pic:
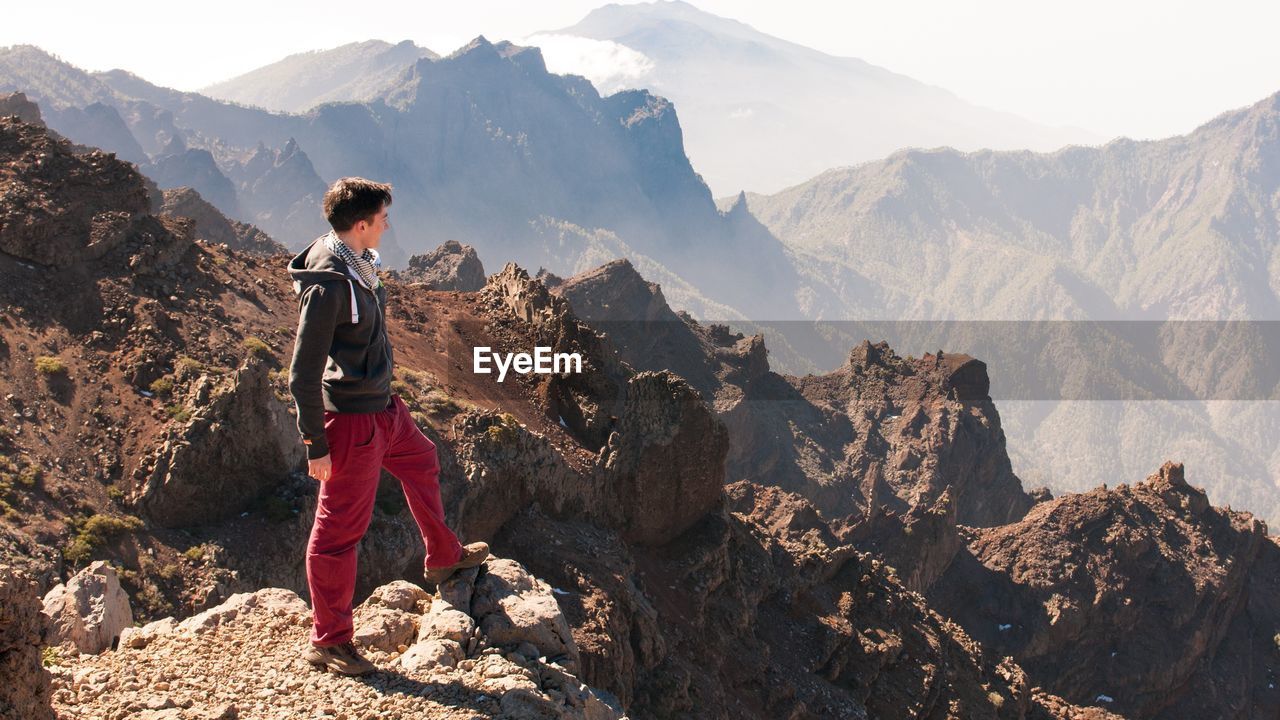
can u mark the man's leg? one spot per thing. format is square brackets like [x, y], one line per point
[411, 457]
[342, 516]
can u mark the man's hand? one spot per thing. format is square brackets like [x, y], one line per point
[321, 468]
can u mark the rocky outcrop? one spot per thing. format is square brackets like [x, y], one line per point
[513, 607]
[615, 300]
[190, 478]
[214, 227]
[25, 690]
[452, 266]
[882, 437]
[196, 668]
[588, 401]
[664, 465]
[1126, 593]
[90, 611]
[17, 105]
[916, 428]
[60, 208]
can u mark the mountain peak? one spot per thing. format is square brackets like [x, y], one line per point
[480, 43]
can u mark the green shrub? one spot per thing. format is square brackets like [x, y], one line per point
[417, 378]
[50, 656]
[169, 571]
[437, 403]
[30, 475]
[115, 493]
[401, 388]
[162, 386]
[195, 554]
[47, 365]
[178, 412]
[257, 346]
[503, 432]
[93, 532]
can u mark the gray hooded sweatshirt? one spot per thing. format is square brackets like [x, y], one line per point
[342, 359]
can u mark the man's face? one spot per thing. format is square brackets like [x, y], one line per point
[371, 230]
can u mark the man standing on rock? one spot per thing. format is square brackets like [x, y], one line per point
[350, 422]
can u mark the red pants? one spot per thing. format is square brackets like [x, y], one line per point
[360, 445]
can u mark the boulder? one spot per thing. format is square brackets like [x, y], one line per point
[445, 622]
[90, 611]
[272, 601]
[513, 607]
[138, 638]
[382, 628]
[398, 595]
[424, 656]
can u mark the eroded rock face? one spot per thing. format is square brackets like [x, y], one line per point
[894, 433]
[665, 463]
[452, 266]
[90, 611]
[588, 401]
[24, 692]
[239, 441]
[614, 299]
[54, 210]
[1125, 592]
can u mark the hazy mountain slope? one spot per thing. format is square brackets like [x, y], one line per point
[1186, 227]
[762, 113]
[489, 147]
[356, 71]
[48, 80]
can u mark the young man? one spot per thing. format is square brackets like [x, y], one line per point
[352, 425]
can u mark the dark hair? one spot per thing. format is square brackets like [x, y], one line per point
[352, 199]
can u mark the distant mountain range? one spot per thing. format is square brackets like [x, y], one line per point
[761, 113]
[1187, 227]
[484, 146]
[353, 72]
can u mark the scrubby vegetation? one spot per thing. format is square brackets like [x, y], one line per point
[48, 365]
[93, 532]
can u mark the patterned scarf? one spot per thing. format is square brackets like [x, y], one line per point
[365, 264]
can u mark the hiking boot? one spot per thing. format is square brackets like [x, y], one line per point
[343, 659]
[472, 555]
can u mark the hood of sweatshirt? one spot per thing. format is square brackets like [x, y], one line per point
[316, 264]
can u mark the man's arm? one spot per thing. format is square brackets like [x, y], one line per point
[317, 317]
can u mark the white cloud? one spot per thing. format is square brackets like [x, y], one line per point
[609, 66]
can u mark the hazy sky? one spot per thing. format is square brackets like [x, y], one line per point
[1142, 69]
